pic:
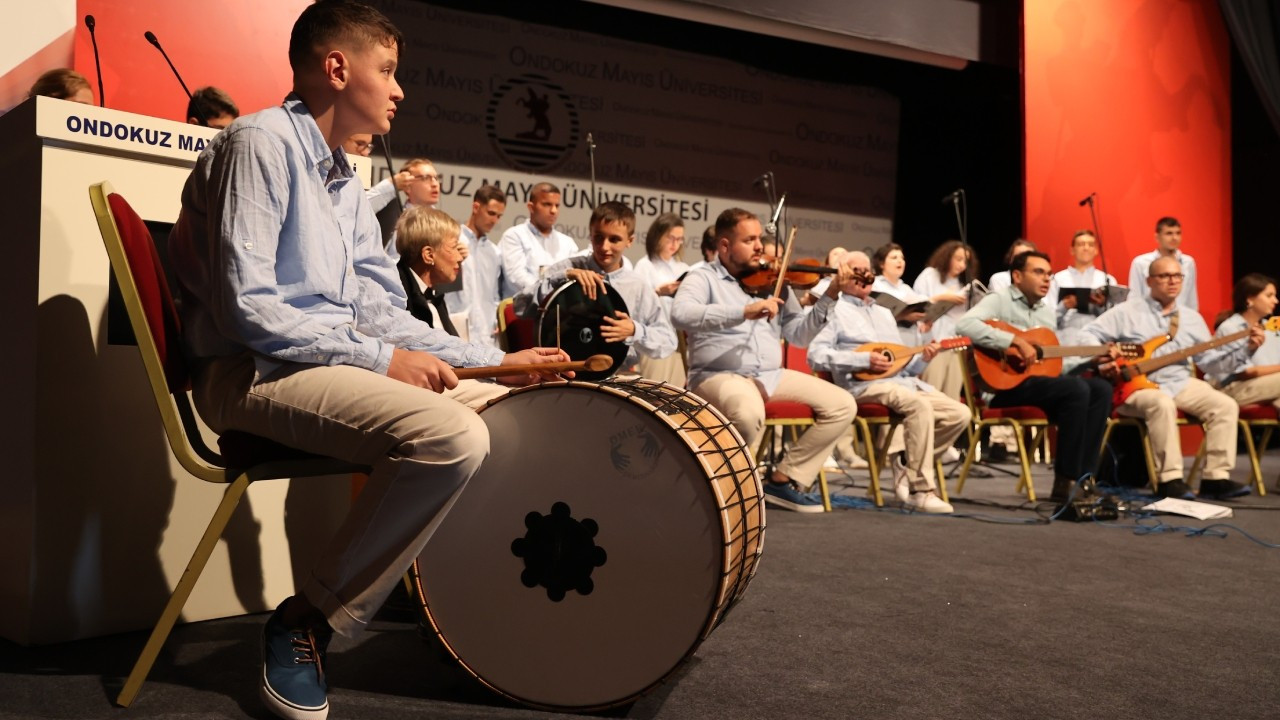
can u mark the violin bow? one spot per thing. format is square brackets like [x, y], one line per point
[786, 260]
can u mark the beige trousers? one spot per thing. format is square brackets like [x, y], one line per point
[742, 401]
[423, 448]
[946, 374]
[931, 422]
[1265, 389]
[1217, 411]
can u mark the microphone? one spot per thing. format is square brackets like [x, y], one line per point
[952, 196]
[90, 23]
[761, 181]
[1088, 200]
[151, 38]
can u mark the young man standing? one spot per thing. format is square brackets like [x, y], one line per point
[1081, 274]
[293, 334]
[1168, 244]
[735, 357]
[533, 245]
[483, 287]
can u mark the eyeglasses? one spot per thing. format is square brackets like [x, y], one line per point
[1169, 277]
[429, 177]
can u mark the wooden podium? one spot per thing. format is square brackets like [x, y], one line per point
[98, 520]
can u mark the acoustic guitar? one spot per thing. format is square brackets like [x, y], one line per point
[1005, 370]
[899, 355]
[1133, 374]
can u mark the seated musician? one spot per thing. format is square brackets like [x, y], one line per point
[1248, 373]
[293, 335]
[1147, 317]
[932, 421]
[735, 357]
[645, 328]
[1079, 406]
[427, 241]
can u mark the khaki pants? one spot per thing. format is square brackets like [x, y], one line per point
[1217, 411]
[422, 446]
[946, 374]
[931, 422]
[1265, 389]
[742, 401]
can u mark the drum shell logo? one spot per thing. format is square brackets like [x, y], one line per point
[532, 123]
[634, 452]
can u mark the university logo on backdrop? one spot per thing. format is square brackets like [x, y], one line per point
[532, 123]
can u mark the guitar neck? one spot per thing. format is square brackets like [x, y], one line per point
[1149, 366]
[1058, 351]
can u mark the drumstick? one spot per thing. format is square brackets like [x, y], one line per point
[595, 363]
[557, 327]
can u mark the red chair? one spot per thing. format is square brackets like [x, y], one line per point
[514, 332]
[1116, 420]
[243, 459]
[790, 415]
[1020, 418]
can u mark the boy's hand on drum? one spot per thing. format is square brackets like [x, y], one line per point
[421, 369]
[592, 282]
[617, 329]
[534, 356]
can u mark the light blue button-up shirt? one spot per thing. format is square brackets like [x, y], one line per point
[1009, 305]
[852, 323]
[1236, 357]
[1141, 319]
[709, 306]
[278, 252]
[654, 336]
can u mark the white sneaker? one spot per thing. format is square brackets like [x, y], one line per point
[901, 481]
[928, 502]
[951, 455]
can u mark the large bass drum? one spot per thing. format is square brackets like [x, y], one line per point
[609, 532]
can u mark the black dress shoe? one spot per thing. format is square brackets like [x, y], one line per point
[997, 454]
[1062, 489]
[1175, 489]
[1223, 489]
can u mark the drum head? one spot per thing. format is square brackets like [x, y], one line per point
[580, 321]
[581, 564]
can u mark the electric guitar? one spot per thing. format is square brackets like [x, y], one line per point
[899, 355]
[1133, 375]
[1006, 370]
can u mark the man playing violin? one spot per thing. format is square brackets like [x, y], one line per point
[735, 356]
[1148, 317]
[931, 420]
[1077, 405]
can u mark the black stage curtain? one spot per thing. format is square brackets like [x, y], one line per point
[1254, 26]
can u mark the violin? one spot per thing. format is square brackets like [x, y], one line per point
[801, 274]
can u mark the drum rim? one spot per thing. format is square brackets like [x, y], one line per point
[614, 295]
[716, 614]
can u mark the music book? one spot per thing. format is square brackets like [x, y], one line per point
[897, 306]
[1190, 508]
[1116, 294]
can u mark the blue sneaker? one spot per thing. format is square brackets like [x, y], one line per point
[293, 684]
[787, 495]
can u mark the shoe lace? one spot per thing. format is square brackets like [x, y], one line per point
[307, 650]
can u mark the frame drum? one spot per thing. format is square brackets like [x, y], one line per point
[580, 320]
[608, 533]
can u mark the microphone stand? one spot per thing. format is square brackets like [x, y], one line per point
[962, 223]
[90, 23]
[591, 158]
[1102, 253]
[386, 154]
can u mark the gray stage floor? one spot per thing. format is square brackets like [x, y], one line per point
[859, 613]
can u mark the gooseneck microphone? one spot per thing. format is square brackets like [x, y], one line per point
[1088, 200]
[90, 23]
[952, 196]
[151, 38]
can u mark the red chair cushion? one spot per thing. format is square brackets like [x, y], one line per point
[521, 332]
[872, 410]
[1017, 412]
[153, 289]
[783, 410]
[1259, 411]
